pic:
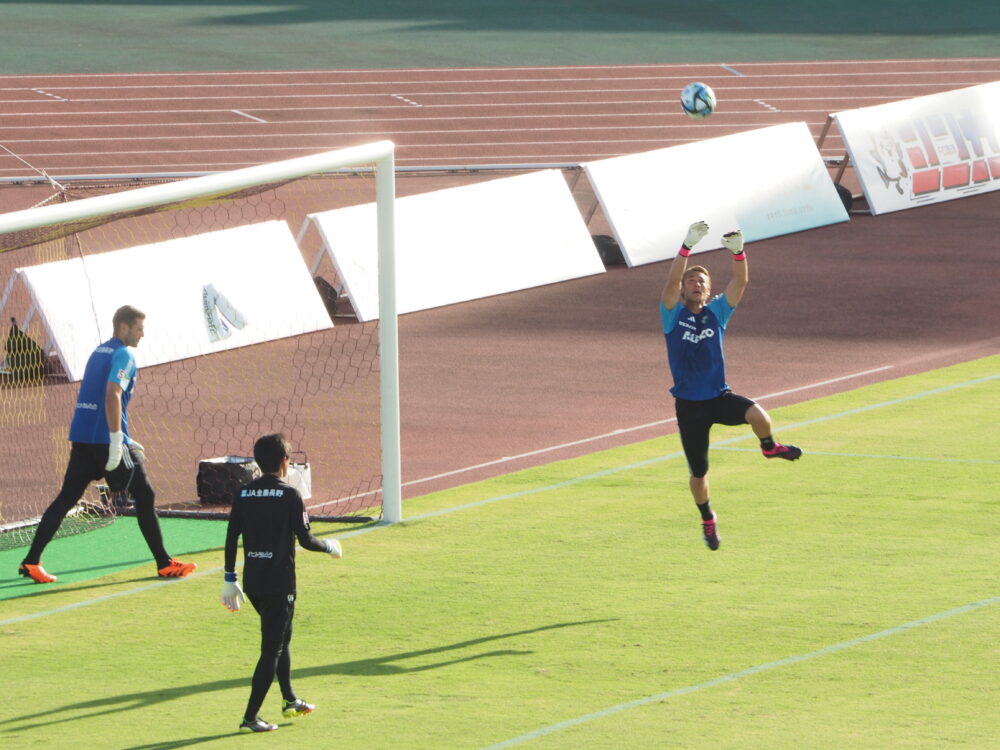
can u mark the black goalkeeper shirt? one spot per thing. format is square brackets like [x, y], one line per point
[270, 515]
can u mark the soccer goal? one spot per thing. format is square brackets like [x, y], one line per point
[244, 335]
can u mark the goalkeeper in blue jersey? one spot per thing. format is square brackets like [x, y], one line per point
[270, 515]
[694, 323]
[100, 446]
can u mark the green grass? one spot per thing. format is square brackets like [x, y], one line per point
[581, 592]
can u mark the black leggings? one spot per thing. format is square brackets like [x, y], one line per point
[276, 612]
[86, 464]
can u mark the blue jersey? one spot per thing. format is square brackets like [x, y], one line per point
[111, 362]
[694, 348]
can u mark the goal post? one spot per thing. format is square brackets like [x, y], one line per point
[33, 227]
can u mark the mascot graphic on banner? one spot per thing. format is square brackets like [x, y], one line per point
[214, 303]
[888, 154]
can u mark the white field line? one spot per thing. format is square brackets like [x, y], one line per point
[880, 457]
[626, 430]
[750, 671]
[538, 490]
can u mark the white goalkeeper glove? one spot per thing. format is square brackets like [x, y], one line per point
[733, 241]
[115, 451]
[232, 594]
[333, 548]
[696, 232]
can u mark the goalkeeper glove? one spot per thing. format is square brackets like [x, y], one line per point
[115, 451]
[232, 594]
[696, 232]
[733, 241]
[333, 548]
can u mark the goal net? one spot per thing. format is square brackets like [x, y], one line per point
[245, 334]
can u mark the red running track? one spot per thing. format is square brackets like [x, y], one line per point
[521, 379]
[141, 123]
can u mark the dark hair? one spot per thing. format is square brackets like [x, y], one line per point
[269, 451]
[128, 315]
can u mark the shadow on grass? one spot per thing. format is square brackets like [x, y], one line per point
[186, 742]
[21, 582]
[374, 667]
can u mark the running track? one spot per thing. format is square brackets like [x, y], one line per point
[141, 123]
[828, 309]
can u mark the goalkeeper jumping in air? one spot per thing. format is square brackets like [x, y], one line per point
[101, 446]
[270, 515]
[693, 324]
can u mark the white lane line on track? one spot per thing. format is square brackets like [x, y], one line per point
[750, 671]
[538, 490]
[491, 105]
[510, 92]
[56, 97]
[234, 111]
[574, 117]
[229, 86]
[403, 99]
[933, 65]
[766, 106]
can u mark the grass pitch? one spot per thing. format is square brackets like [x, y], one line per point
[854, 604]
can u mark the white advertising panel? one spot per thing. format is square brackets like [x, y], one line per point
[203, 294]
[767, 182]
[464, 243]
[925, 150]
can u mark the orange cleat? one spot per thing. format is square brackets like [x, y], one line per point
[36, 573]
[176, 569]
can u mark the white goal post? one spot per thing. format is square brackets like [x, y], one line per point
[381, 155]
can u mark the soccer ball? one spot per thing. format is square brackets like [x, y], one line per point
[697, 100]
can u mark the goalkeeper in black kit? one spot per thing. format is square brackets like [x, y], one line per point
[270, 515]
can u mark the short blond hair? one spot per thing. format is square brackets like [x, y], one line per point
[698, 269]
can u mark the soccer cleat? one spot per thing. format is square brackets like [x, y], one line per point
[36, 573]
[787, 452]
[257, 725]
[297, 707]
[176, 569]
[711, 533]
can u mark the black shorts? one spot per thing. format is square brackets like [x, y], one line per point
[86, 465]
[695, 420]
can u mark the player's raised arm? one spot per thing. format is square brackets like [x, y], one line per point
[672, 289]
[733, 242]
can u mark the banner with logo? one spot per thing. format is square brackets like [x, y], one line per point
[925, 150]
[202, 294]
